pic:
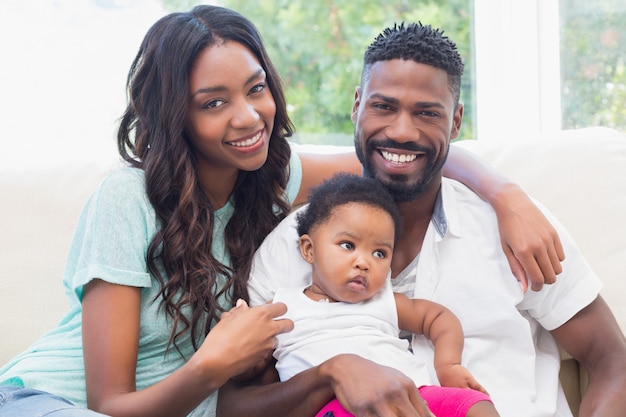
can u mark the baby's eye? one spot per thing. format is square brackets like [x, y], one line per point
[380, 254]
[347, 245]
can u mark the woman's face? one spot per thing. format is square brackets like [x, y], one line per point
[231, 111]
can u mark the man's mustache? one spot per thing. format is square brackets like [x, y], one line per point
[392, 144]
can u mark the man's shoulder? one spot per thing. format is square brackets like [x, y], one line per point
[460, 191]
[458, 197]
[460, 208]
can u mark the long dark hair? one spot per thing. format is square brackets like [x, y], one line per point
[151, 137]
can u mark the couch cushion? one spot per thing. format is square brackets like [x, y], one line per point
[39, 210]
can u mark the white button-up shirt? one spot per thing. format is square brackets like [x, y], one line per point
[508, 346]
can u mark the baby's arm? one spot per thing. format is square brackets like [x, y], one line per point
[444, 330]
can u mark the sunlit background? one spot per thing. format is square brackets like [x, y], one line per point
[62, 77]
[531, 66]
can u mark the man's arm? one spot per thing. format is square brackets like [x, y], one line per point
[530, 242]
[594, 339]
[303, 395]
[363, 387]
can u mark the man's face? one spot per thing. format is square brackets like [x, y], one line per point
[404, 119]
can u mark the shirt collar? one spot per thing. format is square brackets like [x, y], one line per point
[439, 216]
[445, 216]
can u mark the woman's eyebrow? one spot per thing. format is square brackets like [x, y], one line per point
[219, 88]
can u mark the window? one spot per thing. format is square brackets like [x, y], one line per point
[531, 66]
[542, 66]
[318, 49]
[593, 63]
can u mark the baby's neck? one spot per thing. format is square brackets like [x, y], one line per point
[315, 296]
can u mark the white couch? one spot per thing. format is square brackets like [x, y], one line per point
[580, 175]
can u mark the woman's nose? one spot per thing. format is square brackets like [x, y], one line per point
[245, 115]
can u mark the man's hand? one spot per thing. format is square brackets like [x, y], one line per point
[367, 389]
[530, 242]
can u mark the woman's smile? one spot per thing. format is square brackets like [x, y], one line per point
[250, 143]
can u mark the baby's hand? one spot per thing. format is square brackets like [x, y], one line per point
[458, 376]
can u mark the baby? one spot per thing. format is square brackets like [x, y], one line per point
[347, 233]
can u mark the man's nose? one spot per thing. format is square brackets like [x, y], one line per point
[402, 128]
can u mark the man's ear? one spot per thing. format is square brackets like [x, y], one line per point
[356, 103]
[457, 121]
[306, 248]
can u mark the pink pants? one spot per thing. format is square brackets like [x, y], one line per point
[442, 401]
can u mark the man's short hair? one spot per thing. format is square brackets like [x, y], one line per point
[418, 43]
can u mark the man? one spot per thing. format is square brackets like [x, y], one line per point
[406, 111]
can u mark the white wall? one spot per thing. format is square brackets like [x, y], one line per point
[63, 75]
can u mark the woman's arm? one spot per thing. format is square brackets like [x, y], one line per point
[531, 244]
[111, 316]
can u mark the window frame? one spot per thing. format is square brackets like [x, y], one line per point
[517, 59]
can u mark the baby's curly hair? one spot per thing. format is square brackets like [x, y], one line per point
[344, 189]
[418, 43]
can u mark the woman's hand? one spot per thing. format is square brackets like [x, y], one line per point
[530, 242]
[259, 366]
[243, 338]
[111, 317]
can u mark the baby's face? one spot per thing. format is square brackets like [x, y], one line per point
[350, 252]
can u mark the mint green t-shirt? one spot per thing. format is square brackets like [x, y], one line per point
[110, 243]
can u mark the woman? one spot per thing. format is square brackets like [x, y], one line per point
[164, 246]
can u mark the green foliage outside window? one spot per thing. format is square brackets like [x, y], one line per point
[593, 63]
[317, 47]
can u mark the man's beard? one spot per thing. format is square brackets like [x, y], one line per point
[399, 186]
